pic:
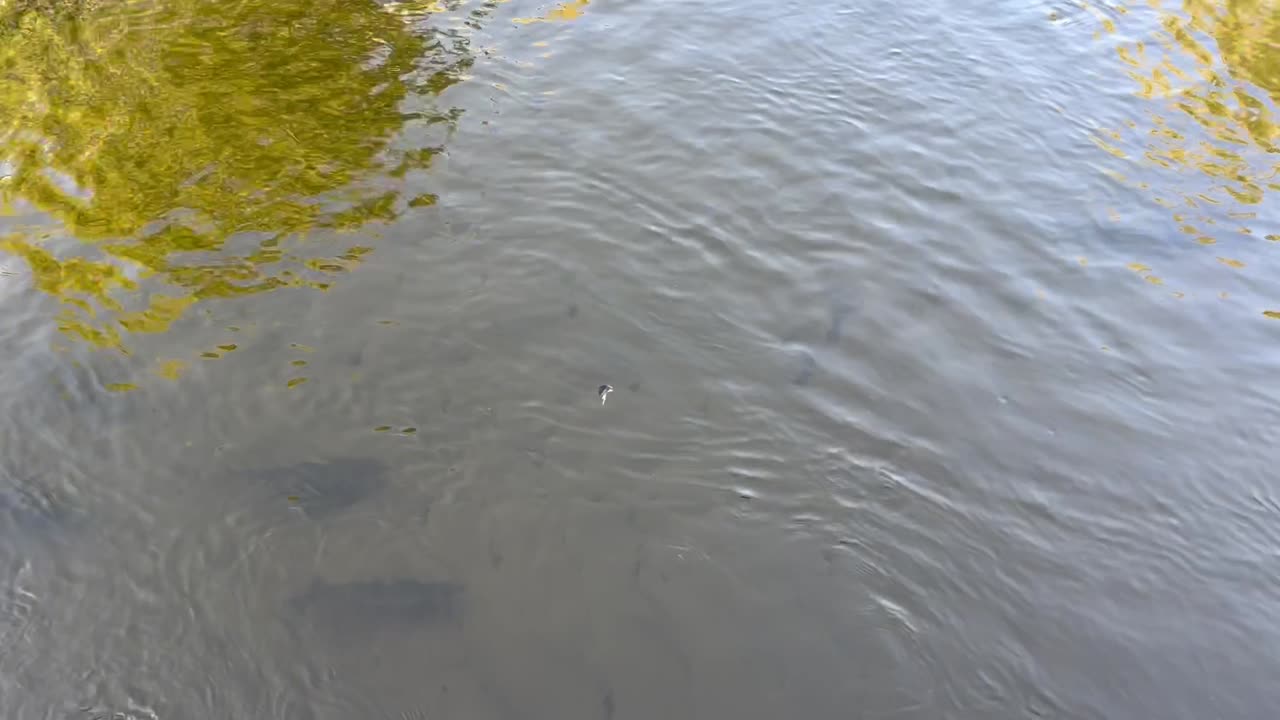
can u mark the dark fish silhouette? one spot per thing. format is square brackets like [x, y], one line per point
[840, 311]
[806, 366]
[401, 601]
[321, 489]
[33, 508]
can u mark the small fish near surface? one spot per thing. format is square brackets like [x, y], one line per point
[34, 509]
[840, 312]
[805, 365]
[384, 602]
[804, 368]
[322, 489]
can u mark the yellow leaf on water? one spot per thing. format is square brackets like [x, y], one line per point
[121, 387]
[1230, 263]
[1137, 267]
[1273, 314]
[1109, 148]
[564, 11]
[296, 382]
[170, 369]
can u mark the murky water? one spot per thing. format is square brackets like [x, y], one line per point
[940, 333]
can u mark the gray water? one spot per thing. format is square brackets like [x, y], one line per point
[927, 405]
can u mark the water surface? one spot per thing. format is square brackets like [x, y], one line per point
[940, 336]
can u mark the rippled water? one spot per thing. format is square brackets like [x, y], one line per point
[940, 336]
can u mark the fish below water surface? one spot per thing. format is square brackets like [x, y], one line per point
[34, 509]
[322, 489]
[379, 602]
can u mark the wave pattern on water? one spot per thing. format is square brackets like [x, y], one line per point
[879, 438]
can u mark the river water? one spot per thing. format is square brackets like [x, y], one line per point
[944, 374]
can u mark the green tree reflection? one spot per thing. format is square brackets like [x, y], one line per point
[194, 144]
[1213, 73]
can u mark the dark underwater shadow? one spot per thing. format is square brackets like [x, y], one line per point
[322, 489]
[31, 508]
[373, 604]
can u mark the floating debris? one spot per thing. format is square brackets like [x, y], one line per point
[603, 391]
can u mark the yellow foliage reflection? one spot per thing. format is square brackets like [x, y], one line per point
[1213, 70]
[570, 10]
[194, 145]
